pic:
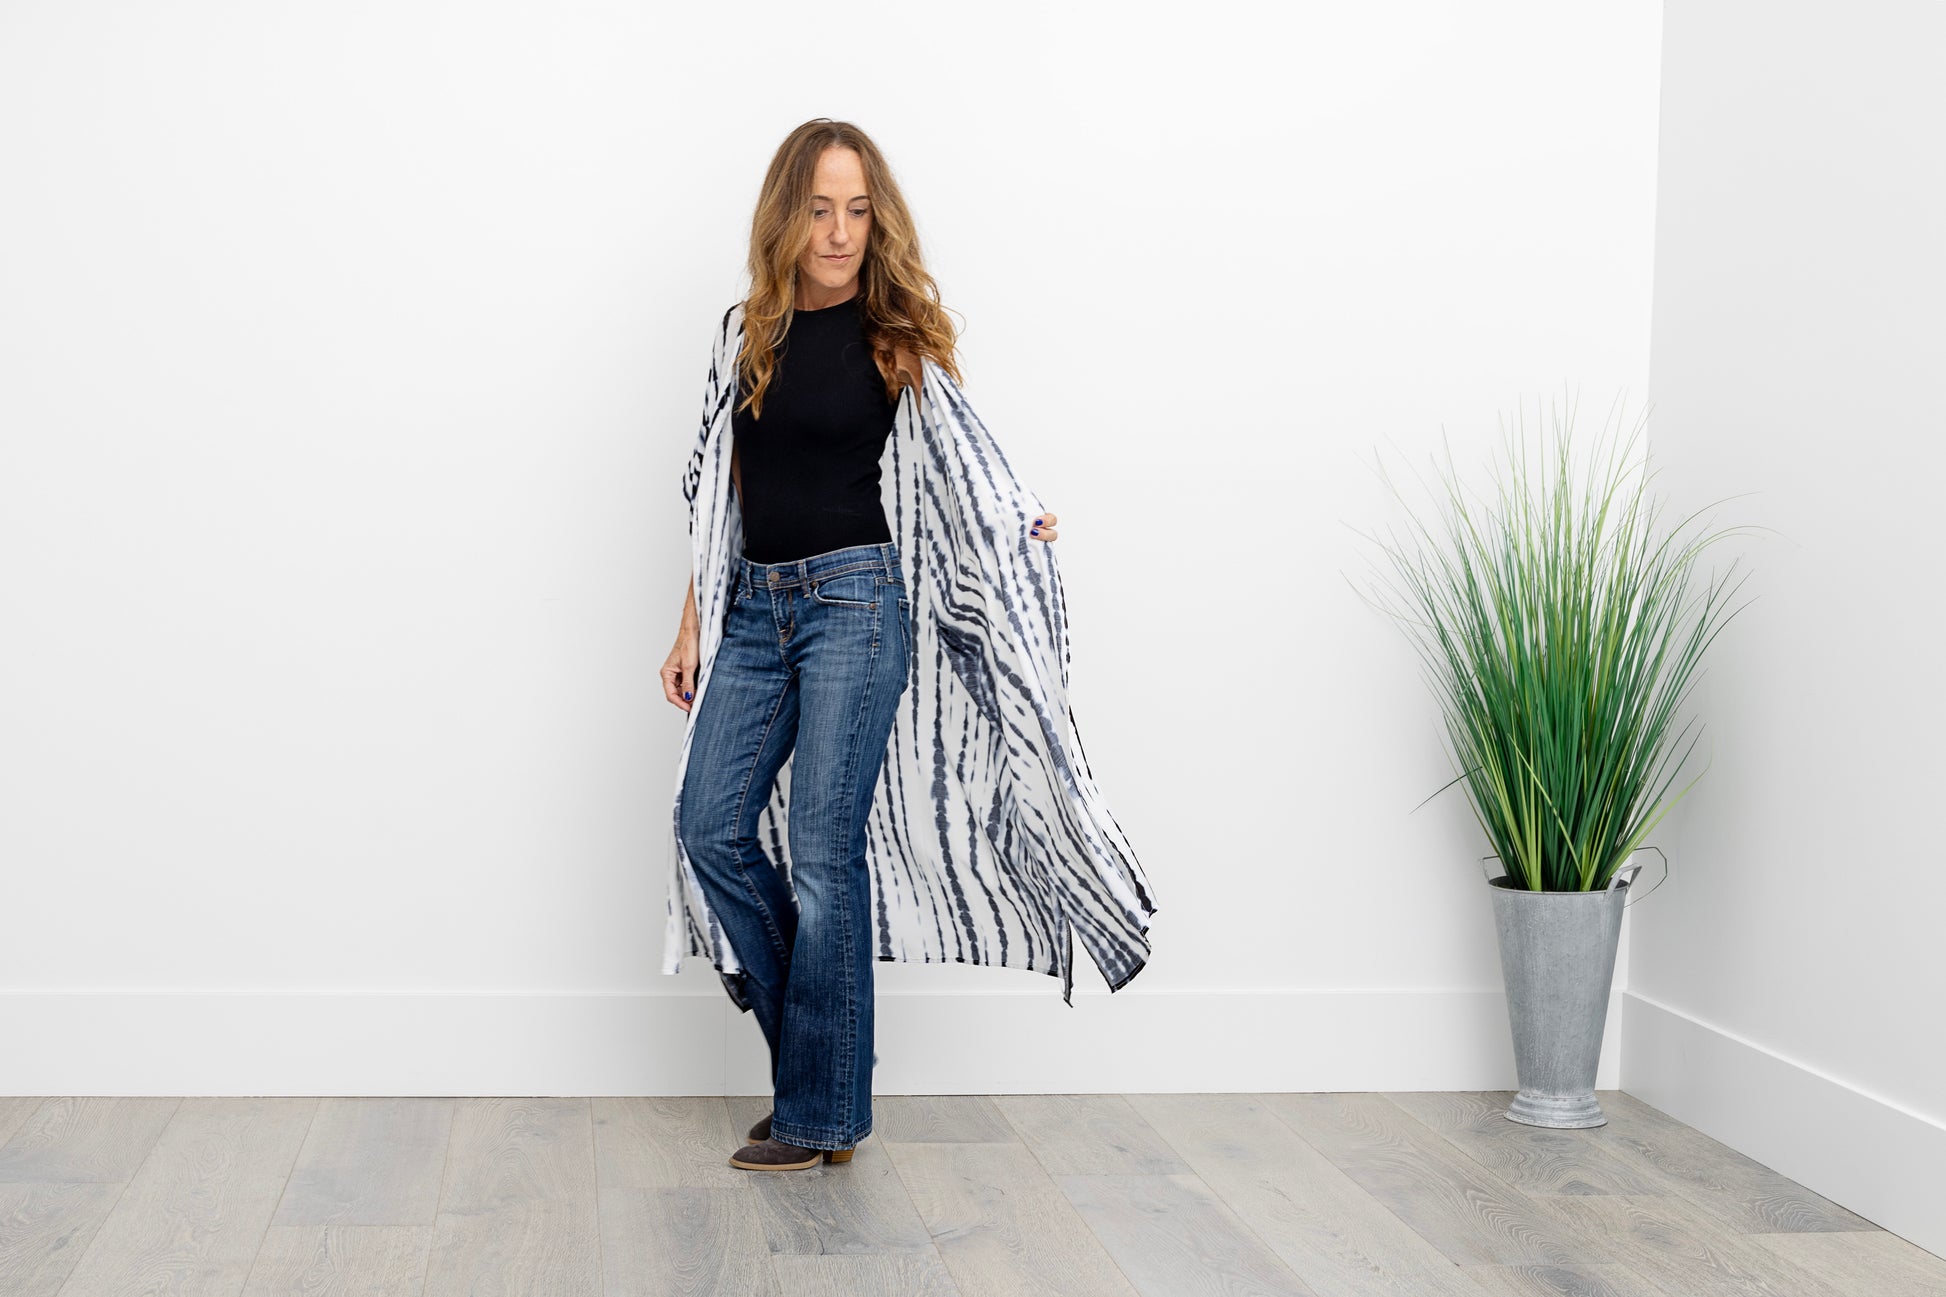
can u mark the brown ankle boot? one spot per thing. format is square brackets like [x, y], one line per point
[775, 1155]
[759, 1132]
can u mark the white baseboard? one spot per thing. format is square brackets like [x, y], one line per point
[520, 1043]
[1868, 1153]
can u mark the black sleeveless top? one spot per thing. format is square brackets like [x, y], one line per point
[810, 465]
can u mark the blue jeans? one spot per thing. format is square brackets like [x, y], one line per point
[814, 657]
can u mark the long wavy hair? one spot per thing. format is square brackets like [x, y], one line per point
[898, 298]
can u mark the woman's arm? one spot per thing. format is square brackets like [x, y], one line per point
[679, 668]
[1042, 527]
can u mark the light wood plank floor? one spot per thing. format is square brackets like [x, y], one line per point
[1166, 1195]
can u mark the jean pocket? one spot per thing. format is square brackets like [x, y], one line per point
[851, 590]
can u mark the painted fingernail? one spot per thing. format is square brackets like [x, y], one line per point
[686, 695]
[1035, 532]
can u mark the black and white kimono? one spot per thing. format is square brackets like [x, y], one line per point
[988, 842]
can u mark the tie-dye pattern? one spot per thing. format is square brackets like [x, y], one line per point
[989, 842]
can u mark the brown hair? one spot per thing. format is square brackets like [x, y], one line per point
[898, 299]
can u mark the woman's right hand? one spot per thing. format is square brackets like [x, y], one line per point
[679, 671]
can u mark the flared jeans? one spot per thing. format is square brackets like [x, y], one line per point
[814, 657]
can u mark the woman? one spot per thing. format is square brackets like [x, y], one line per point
[819, 657]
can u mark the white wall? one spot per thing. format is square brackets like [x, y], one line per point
[1786, 985]
[352, 354]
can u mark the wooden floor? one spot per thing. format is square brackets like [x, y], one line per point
[1173, 1195]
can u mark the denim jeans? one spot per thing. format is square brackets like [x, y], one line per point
[814, 657]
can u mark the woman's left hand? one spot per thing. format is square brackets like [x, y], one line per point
[1042, 527]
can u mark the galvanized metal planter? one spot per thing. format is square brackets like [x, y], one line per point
[1557, 955]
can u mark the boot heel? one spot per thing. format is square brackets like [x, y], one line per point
[837, 1154]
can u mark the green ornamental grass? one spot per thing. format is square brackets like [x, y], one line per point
[1560, 632]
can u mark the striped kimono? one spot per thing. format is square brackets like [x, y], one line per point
[988, 842]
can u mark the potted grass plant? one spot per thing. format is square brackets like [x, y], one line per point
[1560, 632]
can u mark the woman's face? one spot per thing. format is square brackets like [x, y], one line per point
[841, 220]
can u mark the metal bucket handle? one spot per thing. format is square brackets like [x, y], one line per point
[1623, 874]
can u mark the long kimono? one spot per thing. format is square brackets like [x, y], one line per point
[988, 841]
